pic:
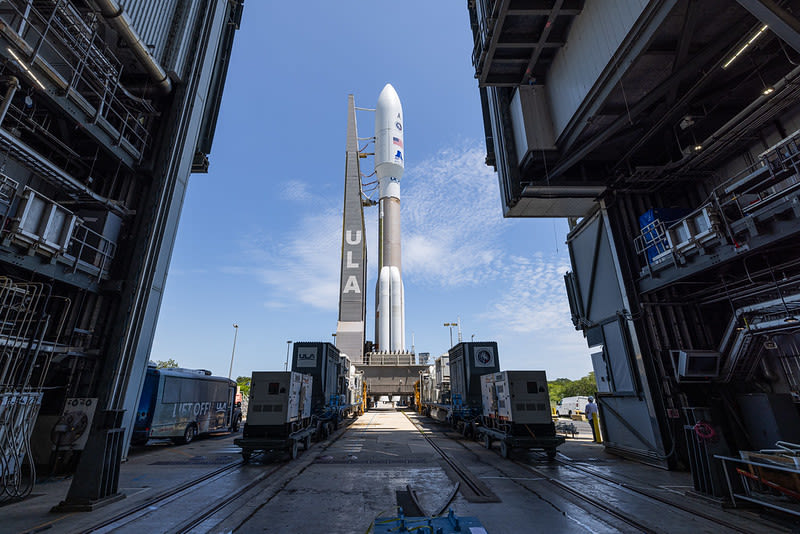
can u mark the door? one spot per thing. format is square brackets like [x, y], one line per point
[600, 307]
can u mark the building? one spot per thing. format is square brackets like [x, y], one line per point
[667, 132]
[107, 107]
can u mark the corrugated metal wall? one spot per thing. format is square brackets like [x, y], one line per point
[152, 20]
[166, 27]
[594, 38]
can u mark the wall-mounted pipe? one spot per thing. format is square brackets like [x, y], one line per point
[13, 85]
[117, 18]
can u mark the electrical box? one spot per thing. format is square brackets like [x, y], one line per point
[279, 397]
[44, 224]
[695, 365]
[516, 396]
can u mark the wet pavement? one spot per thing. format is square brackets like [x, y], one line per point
[378, 462]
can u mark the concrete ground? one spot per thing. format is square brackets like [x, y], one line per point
[366, 470]
[149, 471]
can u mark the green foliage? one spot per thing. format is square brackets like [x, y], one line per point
[564, 387]
[166, 364]
[244, 385]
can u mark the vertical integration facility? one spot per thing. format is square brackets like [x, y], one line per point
[107, 107]
[668, 133]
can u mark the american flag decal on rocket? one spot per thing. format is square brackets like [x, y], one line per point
[398, 142]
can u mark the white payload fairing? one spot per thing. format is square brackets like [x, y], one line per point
[389, 154]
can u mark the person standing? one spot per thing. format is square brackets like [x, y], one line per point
[591, 413]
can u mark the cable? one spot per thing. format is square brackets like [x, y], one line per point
[705, 432]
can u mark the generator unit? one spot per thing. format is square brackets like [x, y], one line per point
[442, 375]
[468, 362]
[322, 361]
[428, 389]
[517, 396]
[278, 398]
[516, 412]
[280, 413]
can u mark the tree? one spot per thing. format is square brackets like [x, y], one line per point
[564, 387]
[166, 364]
[244, 385]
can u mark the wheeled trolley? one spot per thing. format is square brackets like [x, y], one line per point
[517, 436]
[272, 442]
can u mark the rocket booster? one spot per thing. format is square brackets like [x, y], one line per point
[389, 166]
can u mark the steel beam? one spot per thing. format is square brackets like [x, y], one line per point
[781, 22]
[495, 38]
[689, 69]
[537, 51]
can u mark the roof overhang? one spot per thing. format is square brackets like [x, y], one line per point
[556, 201]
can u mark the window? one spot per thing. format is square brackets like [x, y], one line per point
[273, 388]
[533, 387]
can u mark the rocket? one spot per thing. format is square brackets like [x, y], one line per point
[389, 155]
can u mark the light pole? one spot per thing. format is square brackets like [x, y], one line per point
[235, 334]
[451, 325]
[286, 365]
[334, 339]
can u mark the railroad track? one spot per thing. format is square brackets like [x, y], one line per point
[643, 492]
[129, 517]
[618, 514]
[583, 496]
[183, 490]
[481, 492]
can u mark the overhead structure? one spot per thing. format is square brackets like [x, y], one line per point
[389, 166]
[668, 132]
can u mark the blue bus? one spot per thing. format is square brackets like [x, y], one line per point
[179, 404]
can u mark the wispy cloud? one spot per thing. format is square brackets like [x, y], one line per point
[536, 297]
[532, 318]
[299, 266]
[296, 190]
[452, 219]
[453, 236]
[450, 214]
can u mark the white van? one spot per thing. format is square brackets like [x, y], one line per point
[571, 405]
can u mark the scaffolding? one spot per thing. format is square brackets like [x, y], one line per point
[65, 47]
[24, 362]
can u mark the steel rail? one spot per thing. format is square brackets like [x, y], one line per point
[462, 474]
[163, 496]
[190, 525]
[651, 495]
[614, 512]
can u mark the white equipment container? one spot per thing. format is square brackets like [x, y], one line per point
[442, 370]
[279, 397]
[516, 396]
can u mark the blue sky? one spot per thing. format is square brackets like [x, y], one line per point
[260, 234]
